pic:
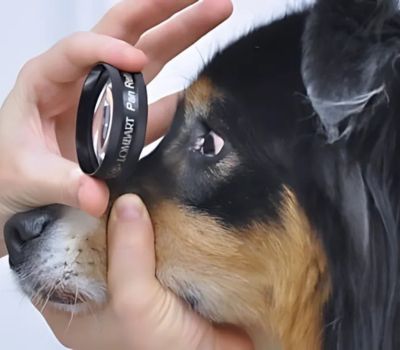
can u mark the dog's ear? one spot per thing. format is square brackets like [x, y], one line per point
[350, 46]
[351, 72]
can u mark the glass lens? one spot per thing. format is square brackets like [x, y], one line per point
[102, 122]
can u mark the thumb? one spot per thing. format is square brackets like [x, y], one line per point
[131, 264]
[65, 183]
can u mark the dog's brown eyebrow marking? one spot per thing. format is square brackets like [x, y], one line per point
[199, 96]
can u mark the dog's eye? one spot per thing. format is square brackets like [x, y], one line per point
[209, 145]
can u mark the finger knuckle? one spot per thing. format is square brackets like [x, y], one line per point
[76, 36]
[28, 68]
[165, 5]
[74, 40]
[218, 10]
[22, 168]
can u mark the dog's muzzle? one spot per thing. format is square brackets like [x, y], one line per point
[25, 227]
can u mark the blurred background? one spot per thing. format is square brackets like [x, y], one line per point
[28, 28]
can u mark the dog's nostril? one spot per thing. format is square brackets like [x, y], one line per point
[33, 227]
[24, 227]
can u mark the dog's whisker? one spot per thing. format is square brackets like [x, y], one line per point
[76, 293]
[36, 296]
[72, 311]
[70, 321]
[26, 275]
[200, 55]
[50, 293]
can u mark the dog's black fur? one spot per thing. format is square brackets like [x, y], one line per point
[340, 161]
[243, 115]
[352, 192]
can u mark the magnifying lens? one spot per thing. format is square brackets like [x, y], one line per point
[111, 124]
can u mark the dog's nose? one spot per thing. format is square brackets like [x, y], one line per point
[24, 227]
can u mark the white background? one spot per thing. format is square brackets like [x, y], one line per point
[27, 28]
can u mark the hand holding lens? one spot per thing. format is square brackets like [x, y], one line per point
[111, 124]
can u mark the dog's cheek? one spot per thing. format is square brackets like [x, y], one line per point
[265, 276]
[207, 265]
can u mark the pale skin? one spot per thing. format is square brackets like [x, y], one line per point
[37, 162]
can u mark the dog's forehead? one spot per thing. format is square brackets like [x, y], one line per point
[254, 85]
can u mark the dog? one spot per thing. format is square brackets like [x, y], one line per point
[275, 194]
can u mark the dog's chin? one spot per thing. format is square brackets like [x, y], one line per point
[78, 308]
[71, 308]
[71, 302]
[88, 297]
[68, 302]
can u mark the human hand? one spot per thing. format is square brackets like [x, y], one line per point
[140, 314]
[33, 172]
[37, 120]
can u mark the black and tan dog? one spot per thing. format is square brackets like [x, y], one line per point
[274, 196]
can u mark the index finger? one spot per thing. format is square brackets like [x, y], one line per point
[169, 39]
[129, 19]
[71, 58]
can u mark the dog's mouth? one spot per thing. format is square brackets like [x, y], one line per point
[67, 298]
[64, 299]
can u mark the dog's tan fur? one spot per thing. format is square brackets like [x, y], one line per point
[269, 276]
[199, 96]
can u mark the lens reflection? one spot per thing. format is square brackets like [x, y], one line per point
[102, 121]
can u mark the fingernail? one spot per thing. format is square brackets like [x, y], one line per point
[129, 208]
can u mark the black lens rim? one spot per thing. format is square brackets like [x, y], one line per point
[128, 127]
